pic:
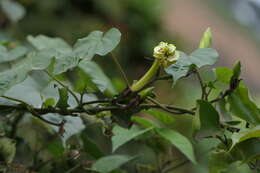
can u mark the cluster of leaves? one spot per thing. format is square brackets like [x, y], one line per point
[37, 80]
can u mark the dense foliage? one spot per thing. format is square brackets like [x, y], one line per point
[53, 95]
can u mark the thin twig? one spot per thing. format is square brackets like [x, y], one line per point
[169, 108]
[120, 69]
[203, 87]
[96, 101]
[63, 85]
[15, 100]
[177, 166]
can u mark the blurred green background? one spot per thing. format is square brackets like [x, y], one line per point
[143, 23]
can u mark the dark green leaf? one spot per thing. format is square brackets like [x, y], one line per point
[122, 135]
[63, 100]
[208, 119]
[236, 70]
[56, 148]
[90, 147]
[97, 43]
[179, 141]
[247, 150]
[242, 106]
[110, 163]
[245, 134]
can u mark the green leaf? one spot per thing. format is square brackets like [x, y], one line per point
[179, 141]
[164, 118]
[64, 62]
[180, 68]
[122, 135]
[97, 76]
[13, 10]
[50, 102]
[236, 70]
[242, 106]
[206, 40]
[56, 148]
[225, 115]
[145, 122]
[223, 74]
[203, 56]
[208, 117]
[245, 134]
[247, 150]
[50, 48]
[13, 54]
[17, 74]
[219, 161]
[200, 57]
[63, 100]
[7, 149]
[90, 147]
[42, 42]
[110, 163]
[97, 43]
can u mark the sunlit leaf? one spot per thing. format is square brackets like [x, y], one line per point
[13, 54]
[50, 102]
[223, 74]
[98, 43]
[41, 42]
[203, 56]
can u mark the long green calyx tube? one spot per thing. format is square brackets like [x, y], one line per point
[147, 77]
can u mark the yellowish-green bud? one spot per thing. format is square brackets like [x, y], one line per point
[166, 53]
[206, 40]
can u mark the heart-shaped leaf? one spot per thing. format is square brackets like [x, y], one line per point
[97, 43]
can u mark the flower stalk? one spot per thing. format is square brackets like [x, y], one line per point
[165, 54]
[147, 76]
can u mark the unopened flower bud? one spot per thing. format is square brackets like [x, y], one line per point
[166, 53]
